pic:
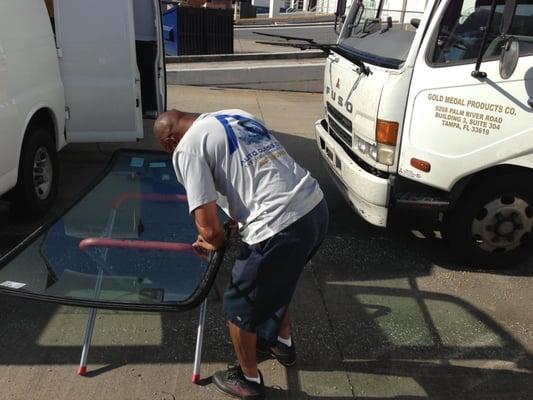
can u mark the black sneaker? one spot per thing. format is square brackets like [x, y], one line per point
[285, 355]
[233, 383]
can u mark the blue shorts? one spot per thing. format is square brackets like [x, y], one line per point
[264, 276]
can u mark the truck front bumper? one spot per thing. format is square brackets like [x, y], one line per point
[368, 194]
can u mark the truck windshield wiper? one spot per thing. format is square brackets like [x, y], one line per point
[285, 37]
[311, 44]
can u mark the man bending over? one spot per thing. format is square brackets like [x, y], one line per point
[230, 159]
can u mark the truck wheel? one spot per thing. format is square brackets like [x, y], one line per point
[36, 189]
[491, 225]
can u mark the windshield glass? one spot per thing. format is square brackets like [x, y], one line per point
[126, 244]
[381, 32]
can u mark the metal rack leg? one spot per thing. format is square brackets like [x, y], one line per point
[82, 370]
[199, 343]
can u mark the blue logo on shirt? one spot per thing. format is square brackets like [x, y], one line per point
[252, 132]
[248, 130]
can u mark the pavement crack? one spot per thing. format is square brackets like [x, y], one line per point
[331, 327]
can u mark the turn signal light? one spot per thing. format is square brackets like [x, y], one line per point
[387, 132]
[420, 164]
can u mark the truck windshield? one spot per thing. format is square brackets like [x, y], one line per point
[381, 32]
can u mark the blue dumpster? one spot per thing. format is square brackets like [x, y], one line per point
[192, 31]
[170, 31]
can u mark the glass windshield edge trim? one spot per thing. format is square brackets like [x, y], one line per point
[191, 302]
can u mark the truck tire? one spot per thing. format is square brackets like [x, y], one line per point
[37, 183]
[491, 225]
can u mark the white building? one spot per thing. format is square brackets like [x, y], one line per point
[391, 8]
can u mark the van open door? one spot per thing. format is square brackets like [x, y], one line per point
[110, 56]
[150, 56]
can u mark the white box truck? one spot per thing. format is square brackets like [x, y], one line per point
[75, 71]
[429, 109]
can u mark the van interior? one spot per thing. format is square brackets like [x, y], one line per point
[146, 44]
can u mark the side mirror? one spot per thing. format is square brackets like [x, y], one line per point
[508, 15]
[339, 16]
[415, 22]
[509, 57]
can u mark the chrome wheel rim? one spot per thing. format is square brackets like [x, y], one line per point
[42, 173]
[503, 224]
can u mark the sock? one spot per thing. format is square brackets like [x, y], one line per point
[286, 342]
[255, 380]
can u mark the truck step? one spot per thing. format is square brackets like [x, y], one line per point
[421, 200]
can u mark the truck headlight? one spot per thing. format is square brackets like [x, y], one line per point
[385, 154]
[363, 146]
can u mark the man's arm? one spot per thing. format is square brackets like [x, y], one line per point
[209, 227]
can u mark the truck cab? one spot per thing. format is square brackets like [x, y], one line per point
[429, 110]
[72, 71]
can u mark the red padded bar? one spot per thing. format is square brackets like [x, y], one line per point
[134, 244]
[124, 197]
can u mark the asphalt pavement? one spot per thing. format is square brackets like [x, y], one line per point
[286, 68]
[378, 314]
[245, 37]
[321, 33]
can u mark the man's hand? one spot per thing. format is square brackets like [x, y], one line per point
[202, 248]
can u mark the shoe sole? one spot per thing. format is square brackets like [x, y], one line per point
[273, 355]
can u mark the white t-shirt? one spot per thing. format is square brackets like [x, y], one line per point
[231, 157]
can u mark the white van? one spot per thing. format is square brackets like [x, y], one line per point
[435, 115]
[81, 71]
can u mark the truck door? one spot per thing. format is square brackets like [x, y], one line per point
[459, 123]
[97, 56]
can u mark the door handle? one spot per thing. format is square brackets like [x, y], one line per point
[530, 102]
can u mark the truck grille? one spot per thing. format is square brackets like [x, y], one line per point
[337, 131]
[339, 125]
[345, 122]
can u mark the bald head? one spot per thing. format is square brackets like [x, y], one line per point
[170, 127]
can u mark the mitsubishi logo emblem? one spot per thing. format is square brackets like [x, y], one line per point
[338, 84]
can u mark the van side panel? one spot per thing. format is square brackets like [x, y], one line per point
[29, 79]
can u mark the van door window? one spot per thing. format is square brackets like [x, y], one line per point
[461, 31]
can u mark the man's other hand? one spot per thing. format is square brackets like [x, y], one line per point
[202, 248]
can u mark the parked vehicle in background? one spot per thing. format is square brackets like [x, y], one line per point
[430, 110]
[72, 71]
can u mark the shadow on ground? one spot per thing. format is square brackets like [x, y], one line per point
[365, 328]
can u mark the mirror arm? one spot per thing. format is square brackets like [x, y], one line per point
[477, 73]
